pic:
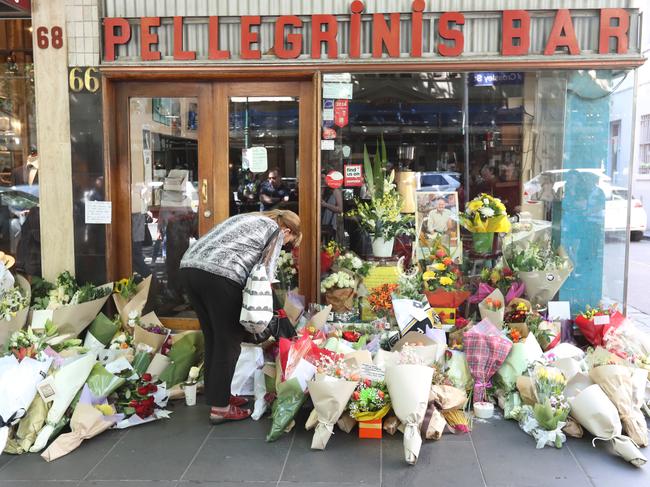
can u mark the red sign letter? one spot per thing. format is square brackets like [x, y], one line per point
[416, 28]
[111, 39]
[248, 37]
[562, 34]
[510, 33]
[328, 36]
[179, 53]
[607, 30]
[147, 38]
[446, 32]
[214, 53]
[384, 36]
[294, 40]
[355, 29]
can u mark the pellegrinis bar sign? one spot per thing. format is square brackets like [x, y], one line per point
[290, 40]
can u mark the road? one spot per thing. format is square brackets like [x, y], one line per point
[639, 276]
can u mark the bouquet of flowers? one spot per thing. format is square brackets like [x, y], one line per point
[500, 277]
[329, 252]
[14, 309]
[617, 381]
[353, 263]
[28, 343]
[339, 289]
[410, 385]
[544, 420]
[74, 307]
[484, 216]
[594, 323]
[492, 308]
[92, 416]
[598, 415]
[131, 297]
[409, 284]
[370, 401]
[136, 397]
[330, 392]
[148, 330]
[381, 301]
[486, 349]
[542, 269]
[443, 285]
[287, 272]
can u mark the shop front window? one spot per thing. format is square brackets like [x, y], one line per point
[19, 162]
[545, 143]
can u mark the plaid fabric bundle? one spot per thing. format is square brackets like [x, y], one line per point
[486, 349]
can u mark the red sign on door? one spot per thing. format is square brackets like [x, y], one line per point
[334, 179]
[341, 113]
[353, 175]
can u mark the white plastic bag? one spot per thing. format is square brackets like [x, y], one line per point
[260, 391]
[251, 358]
[18, 383]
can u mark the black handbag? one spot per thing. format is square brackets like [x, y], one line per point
[278, 328]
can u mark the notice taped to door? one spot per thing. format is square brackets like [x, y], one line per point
[98, 212]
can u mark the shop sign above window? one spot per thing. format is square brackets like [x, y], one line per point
[391, 35]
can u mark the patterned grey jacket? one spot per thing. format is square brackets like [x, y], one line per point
[232, 248]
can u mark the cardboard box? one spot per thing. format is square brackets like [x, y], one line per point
[370, 429]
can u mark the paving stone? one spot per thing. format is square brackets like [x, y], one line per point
[508, 457]
[231, 460]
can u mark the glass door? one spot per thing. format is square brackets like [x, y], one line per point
[269, 162]
[188, 156]
[158, 182]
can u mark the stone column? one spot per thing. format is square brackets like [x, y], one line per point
[53, 131]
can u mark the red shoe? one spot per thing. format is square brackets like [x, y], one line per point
[237, 401]
[233, 414]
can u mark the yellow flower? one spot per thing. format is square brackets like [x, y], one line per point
[429, 276]
[439, 266]
[495, 276]
[446, 281]
[500, 206]
[105, 409]
[474, 205]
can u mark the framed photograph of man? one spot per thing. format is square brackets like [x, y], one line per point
[436, 216]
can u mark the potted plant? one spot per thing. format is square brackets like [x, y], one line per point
[381, 216]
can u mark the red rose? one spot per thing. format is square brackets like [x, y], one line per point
[356, 395]
[149, 400]
[153, 388]
[507, 272]
[143, 390]
[380, 394]
[133, 403]
[366, 382]
[147, 377]
[447, 261]
[440, 253]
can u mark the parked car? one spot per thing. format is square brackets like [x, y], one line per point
[438, 181]
[551, 186]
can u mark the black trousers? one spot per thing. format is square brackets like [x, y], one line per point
[217, 302]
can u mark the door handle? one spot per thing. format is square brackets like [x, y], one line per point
[204, 192]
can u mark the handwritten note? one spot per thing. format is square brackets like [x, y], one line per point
[99, 212]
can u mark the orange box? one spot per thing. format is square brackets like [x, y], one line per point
[370, 429]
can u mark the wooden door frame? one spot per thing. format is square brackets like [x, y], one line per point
[213, 98]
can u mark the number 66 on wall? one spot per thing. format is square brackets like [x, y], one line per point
[84, 79]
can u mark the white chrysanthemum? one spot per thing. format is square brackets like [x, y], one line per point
[486, 211]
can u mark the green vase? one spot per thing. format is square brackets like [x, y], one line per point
[483, 242]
